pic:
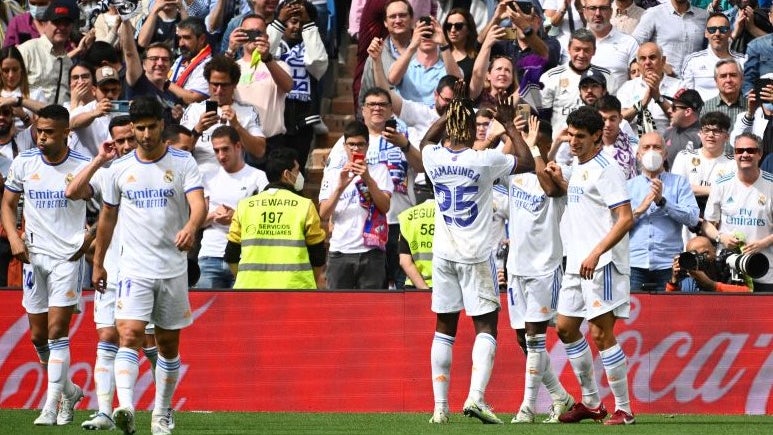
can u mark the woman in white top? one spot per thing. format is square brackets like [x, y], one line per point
[15, 90]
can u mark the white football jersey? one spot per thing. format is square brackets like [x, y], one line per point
[98, 185]
[55, 225]
[595, 187]
[561, 92]
[463, 182]
[702, 170]
[535, 239]
[744, 209]
[153, 209]
[205, 156]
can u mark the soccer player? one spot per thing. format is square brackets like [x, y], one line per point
[596, 285]
[159, 190]
[463, 268]
[534, 272]
[55, 236]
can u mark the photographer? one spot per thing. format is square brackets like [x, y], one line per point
[702, 278]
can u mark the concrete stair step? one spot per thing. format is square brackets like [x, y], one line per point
[342, 105]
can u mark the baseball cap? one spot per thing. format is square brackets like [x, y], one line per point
[62, 10]
[593, 76]
[105, 74]
[689, 97]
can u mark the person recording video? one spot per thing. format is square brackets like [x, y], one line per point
[704, 277]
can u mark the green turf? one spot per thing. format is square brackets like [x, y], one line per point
[18, 422]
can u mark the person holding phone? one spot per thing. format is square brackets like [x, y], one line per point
[89, 122]
[355, 198]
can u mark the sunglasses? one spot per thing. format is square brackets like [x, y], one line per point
[713, 29]
[456, 26]
[740, 151]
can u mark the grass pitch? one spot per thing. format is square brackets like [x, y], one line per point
[19, 422]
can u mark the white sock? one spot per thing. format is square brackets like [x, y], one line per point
[582, 363]
[127, 367]
[551, 382]
[167, 372]
[616, 367]
[440, 359]
[483, 351]
[104, 376]
[58, 369]
[535, 354]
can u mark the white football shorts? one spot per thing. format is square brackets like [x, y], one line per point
[457, 286]
[609, 290]
[162, 301]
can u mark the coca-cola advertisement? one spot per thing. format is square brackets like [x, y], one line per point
[369, 352]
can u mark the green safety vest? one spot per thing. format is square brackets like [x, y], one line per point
[273, 239]
[417, 226]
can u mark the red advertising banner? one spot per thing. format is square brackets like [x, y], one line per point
[365, 352]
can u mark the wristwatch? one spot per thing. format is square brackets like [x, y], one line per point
[662, 202]
[445, 47]
[660, 100]
[19, 101]
[528, 31]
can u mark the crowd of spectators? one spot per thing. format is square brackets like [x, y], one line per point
[679, 85]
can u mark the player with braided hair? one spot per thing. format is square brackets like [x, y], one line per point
[463, 267]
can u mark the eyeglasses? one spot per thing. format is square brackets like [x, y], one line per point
[713, 131]
[456, 26]
[375, 104]
[402, 15]
[713, 29]
[445, 99]
[752, 151]
[594, 9]
[357, 145]
[163, 59]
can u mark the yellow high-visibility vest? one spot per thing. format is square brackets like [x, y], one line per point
[417, 226]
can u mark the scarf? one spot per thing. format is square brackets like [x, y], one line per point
[376, 230]
[199, 58]
[293, 57]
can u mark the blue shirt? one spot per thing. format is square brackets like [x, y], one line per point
[656, 236]
[419, 83]
[759, 61]
[767, 164]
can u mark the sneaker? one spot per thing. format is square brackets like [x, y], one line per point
[170, 415]
[160, 423]
[620, 417]
[580, 412]
[559, 407]
[525, 415]
[99, 421]
[67, 405]
[481, 411]
[124, 420]
[47, 418]
[440, 416]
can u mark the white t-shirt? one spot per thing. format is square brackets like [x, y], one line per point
[35, 94]
[227, 189]
[23, 140]
[153, 209]
[348, 218]
[632, 92]
[402, 175]
[196, 81]
[615, 52]
[745, 209]
[86, 140]
[535, 240]
[203, 152]
[595, 188]
[463, 182]
[55, 225]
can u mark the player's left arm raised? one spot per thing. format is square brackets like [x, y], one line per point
[187, 235]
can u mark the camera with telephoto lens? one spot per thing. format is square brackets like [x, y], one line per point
[732, 264]
[692, 260]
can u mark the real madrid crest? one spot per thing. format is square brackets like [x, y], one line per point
[563, 83]
[762, 199]
[68, 178]
[584, 175]
[696, 161]
[168, 176]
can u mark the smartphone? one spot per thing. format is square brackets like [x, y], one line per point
[759, 84]
[391, 123]
[510, 34]
[119, 106]
[358, 157]
[428, 21]
[253, 35]
[524, 111]
[525, 6]
[211, 106]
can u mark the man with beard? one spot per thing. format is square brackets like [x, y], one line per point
[188, 69]
[677, 27]
[698, 69]
[561, 94]
[614, 49]
[295, 39]
[53, 245]
[149, 75]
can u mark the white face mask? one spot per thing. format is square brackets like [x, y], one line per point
[298, 186]
[37, 11]
[652, 160]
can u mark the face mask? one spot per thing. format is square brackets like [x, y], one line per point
[298, 186]
[652, 161]
[37, 11]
